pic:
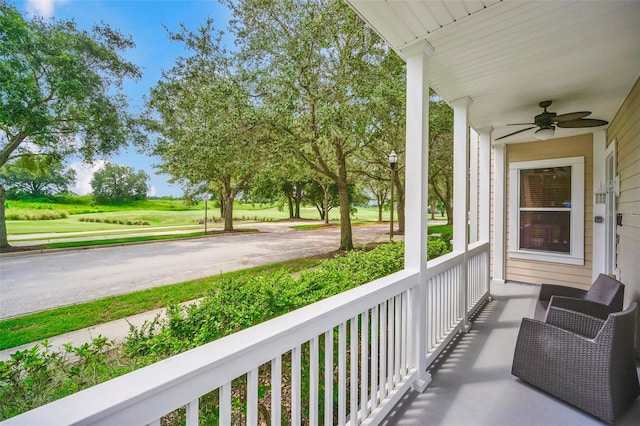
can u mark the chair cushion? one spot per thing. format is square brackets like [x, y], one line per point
[603, 290]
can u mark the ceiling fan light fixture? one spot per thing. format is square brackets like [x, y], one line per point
[545, 133]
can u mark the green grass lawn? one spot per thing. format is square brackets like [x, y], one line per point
[41, 325]
[156, 212]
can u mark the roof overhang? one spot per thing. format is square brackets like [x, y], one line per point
[510, 55]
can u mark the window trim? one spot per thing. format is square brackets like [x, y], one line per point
[576, 256]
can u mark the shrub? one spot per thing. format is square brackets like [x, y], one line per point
[39, 375]
[37, 214]
[437, 246]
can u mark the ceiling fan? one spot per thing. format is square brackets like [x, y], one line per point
[547, 122]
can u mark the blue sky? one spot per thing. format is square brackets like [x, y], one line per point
[143, 20]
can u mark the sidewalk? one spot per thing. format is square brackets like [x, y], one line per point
[116, 330]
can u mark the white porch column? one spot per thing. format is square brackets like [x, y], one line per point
[474, 219]
[417, 160]
[499, 197]
[461, 191]
[484, 191]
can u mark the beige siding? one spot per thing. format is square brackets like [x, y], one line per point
[625, 128]
[535, 272]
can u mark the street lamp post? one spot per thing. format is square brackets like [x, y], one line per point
[393, 160]
[205, 197]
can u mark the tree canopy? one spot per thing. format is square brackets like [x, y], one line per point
[36, 176]
[59, 93]
[117, 184]
[206, 119]
[317, 66]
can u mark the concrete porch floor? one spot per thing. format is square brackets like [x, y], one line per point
[472, 382]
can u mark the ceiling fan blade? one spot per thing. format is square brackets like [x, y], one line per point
[570, 116]
[521, 124]
[583, 122]
[514, 133]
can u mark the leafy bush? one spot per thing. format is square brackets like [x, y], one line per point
[39, 375]
[437, 246]
[114, 221]
[41, 214]
[241, 302]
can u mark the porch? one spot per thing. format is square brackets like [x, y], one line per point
[472, 384]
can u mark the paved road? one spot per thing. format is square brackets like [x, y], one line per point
[36, 282]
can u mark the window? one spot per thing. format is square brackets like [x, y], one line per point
[546, 214]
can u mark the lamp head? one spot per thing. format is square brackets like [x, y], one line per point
[393, 159]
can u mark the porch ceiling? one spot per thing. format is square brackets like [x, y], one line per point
[510, 55]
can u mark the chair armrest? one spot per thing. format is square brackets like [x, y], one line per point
[576, 322]
[548, 290]
[587, 307]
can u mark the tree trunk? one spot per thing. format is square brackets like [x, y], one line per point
[400, 204]
[4, 241]
[228, 213]
[298, 199]
[290, 202]
[346, 237]
[227, 196]
[325, 204]
[448, 205]
[380, 207]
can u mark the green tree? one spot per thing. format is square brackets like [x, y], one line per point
[117, 184]
[36, 176]
[57, 93]
[441, 153]
[206, 120]
[323, 194]
[387, 133]
[317, 65]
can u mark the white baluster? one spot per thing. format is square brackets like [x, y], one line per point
[313, 381]
[375, 351]
[296, 383]
[225, 404]
[328, 378]
[276, 390]
[383, 351]
[353, 385]
[252, 397]
[192, 413]
[342, 374]
[364, 364]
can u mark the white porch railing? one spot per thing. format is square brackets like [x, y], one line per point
[450, 298]
[345, 360]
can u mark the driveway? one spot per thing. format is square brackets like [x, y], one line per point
[35, 282]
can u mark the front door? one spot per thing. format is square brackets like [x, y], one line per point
[610, 205]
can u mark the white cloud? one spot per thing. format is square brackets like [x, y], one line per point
[43, 8]
[152, 191]
[84, 174]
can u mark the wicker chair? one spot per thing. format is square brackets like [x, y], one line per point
[605, 296]
[583, 360]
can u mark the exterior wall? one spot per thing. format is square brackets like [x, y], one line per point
[625, 128]
[537, 272]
